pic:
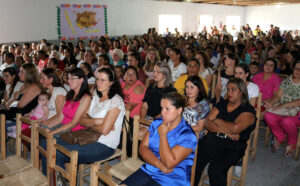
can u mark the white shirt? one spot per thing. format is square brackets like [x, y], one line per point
[52, 107]
[99, 110]
[206, 72]
[224, 86]
[18, 85]
[91, 80]
[253, 90]
[4, 66]
[79, 63]
[214, 61]
[177, 71]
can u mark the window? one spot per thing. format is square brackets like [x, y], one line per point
[171, 22]
[233, 21]
[205, 20]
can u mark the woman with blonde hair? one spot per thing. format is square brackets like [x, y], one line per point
[151, 59]
[162, 84]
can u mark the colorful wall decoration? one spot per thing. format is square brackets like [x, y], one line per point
[81, 21]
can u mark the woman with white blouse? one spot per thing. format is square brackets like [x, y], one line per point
[176, 65]
[242, 71]
[105, 116]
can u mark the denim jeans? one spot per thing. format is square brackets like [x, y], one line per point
[9, 123]
[86, 153]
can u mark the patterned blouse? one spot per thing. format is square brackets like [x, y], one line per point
[291, 90]
[198, 112]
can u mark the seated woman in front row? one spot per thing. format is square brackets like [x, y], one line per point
[168, 147]
[229, 126]
[105, 116]
[77, 102]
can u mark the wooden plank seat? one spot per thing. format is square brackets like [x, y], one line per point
[16, 163]
[27, 175]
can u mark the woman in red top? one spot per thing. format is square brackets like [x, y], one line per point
[134, 91]
[267, 81]
[77, 102]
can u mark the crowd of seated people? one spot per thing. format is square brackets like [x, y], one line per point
[93, 83]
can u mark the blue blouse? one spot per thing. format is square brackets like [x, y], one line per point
[183, 135]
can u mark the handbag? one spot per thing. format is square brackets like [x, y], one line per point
[286, 111]
[81, 137]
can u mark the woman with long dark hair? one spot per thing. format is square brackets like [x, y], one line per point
[197, 107]
[105, 116]
[77, 102]
[50, 81]
[13, 85]
[242, 71]
[87, 68]
[70, 58]
[176, 64]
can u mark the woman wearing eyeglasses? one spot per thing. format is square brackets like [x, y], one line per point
[77, 102]
[104, 116]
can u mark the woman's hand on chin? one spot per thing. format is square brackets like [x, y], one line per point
[163, 129]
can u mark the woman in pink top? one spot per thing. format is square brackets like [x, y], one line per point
[133, 90]
[77, 102]
[267, 81]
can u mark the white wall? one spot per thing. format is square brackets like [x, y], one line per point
[284, 16]
[29, 20]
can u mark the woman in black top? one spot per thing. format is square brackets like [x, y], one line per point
[28, 93]
[162, 77]
[229, 126]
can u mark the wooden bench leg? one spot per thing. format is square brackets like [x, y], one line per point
[297, 147]
[267, 137]
[25, 152]
[229, 176]
[81, 170]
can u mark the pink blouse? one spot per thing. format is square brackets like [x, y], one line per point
[267, 87]
[69, 111]
[130, 96]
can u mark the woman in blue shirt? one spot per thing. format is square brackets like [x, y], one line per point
[168, 147]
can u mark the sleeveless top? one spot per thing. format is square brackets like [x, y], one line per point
[130, 96]
[52, 107]
[30, 106]
[37, 112]
[69, 111]
[11, 113]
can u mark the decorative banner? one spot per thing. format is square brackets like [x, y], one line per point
[81, 21]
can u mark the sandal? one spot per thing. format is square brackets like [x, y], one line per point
[289, 150]
[275, 145]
